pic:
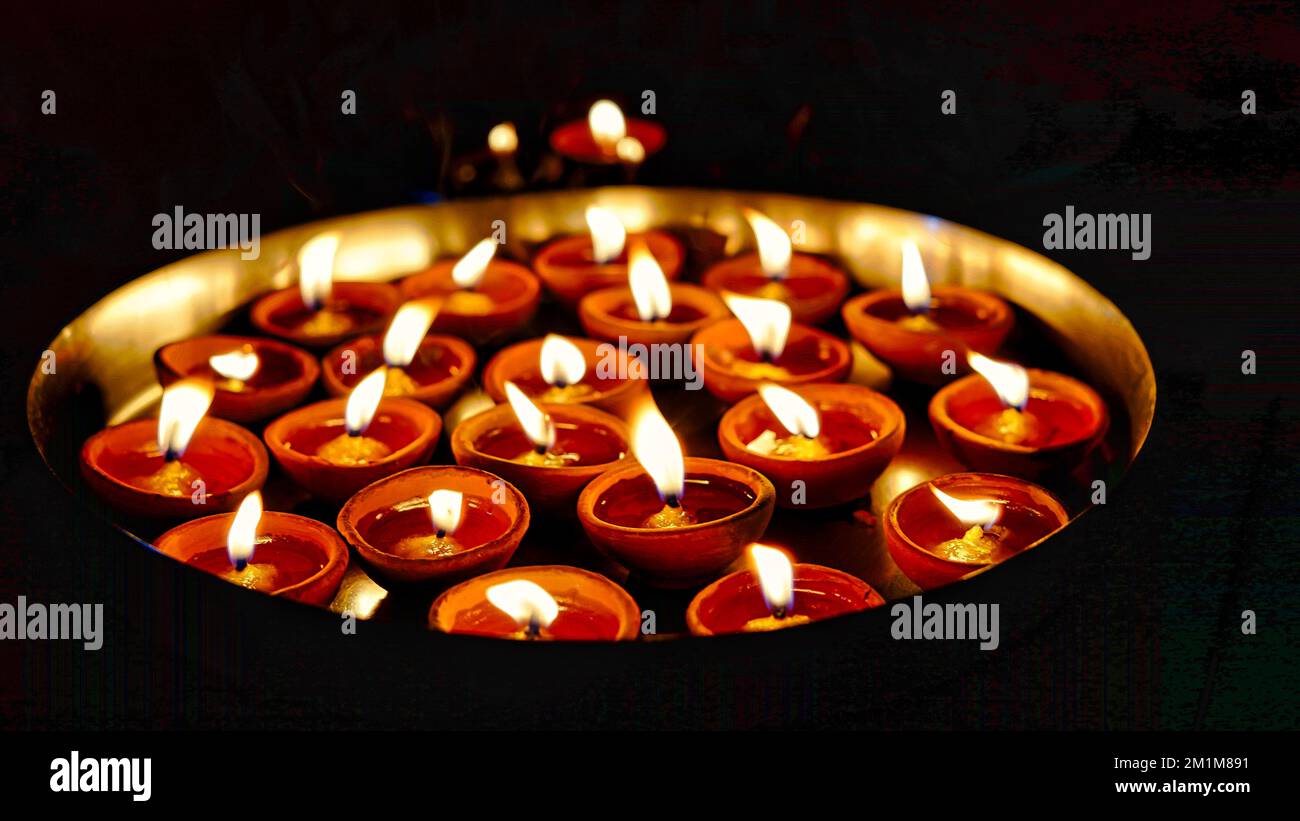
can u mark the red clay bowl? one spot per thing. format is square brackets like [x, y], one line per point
[284, 377]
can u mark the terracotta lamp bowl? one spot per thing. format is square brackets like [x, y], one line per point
[442, 366]
[284, 377]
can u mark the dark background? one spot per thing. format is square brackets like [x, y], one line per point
[1130, 622]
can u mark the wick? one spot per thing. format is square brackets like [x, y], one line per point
[541, 450]
[171, 455]
[352, 432]
[766, 356]
[559, 383]
[441, 534]
[672, 501]
[779, 613]
[240, 564]
[534, 628]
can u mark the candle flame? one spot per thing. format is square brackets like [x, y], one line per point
[364, 401]
[469, 270]
[241, 539]
[240, 364]
[774, 250]
[183, 406]
[916, 285]
[316, 269]
[656, 447]
[630, 150]
[607, 233]
[650, 291]
[503, 139]
[605, 119]
[775, 577]
[526, 602]
[562, 362]
[537, 424]
[446, 508]
[767, 321]
[1009, 380]
[407, 329]
[982, 512]
[793, 412]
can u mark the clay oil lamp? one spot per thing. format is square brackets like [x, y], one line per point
[482, 298]
[607, 137]
[276, 553]
[549, 452]
[947, 528]
[812, 287]
[1007, 419]
[253, 378]
[763, 345]
[776, 594]
[429, 368]
[674, 522]
[336, 447]
[319, 312]
[544, 602]
[437, 523]
[911, 328]
[648, 310]
[575, 266]
[179, 466]
[828, 441]
[564, 370]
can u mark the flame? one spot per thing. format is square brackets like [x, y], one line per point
[605, 119]
[982, 512]
[630, 150]
[916, 286]
[774, 249]
[183, 406]
[607, 233]
[469, 270]
[656, 447]
[791, 410]
[1009, 381]
[650, 292]
[445, 508]
[240, 364]
[502, 139]
[562, 362]
[526, 602]
[775, 577]
[407, 329]
[767, 321]
[316, 269]
[363, 401]
[537, 424]
[241, 539]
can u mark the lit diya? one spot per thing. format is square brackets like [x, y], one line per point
[544, 602]
[673, 521]
[179, 466]
[574, 266]
[320, 312]
[430, 368]
[336, 447]
[275, 553]
[607, 137]
[763, 345]
[564, 370]
[812, 287]
[1026, 422]
[952, 526]
[253, 378]
[443, 523]
[821, 445]
[482, 298]
[912, 328]
[649, 310]
[550, 452]
[776, 594]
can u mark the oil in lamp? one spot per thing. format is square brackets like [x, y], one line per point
[911, 328]
[831, 440]
[1026, 422]
[179, 466]
[320, 313]
[550, 452]
[483, 298]
[543, 602]
[674, 521]
[763, 345]
[276, 553]
[444, 523]
[776, 594]
[812, 287]
[253, 378]
[430, 368]
[565, 370]
[575, 266]
[945, 529]
[648, 310]
[336, 447]
[607, 137]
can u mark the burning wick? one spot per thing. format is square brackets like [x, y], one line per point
[353, 448]
[767, 322]
[774, 249]
[916, 291]
[650, 292]
[562, 366]
[1011, 383]
[656, 447]
[605, 119]
[402, 342]
[531, 607]
[468, 273]
[798, 417]
[776, 579]
[979, 542]
[445, 509]
[183, 406]
[539, 428]
[236, 366]
[316, 270]
[241, 539]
